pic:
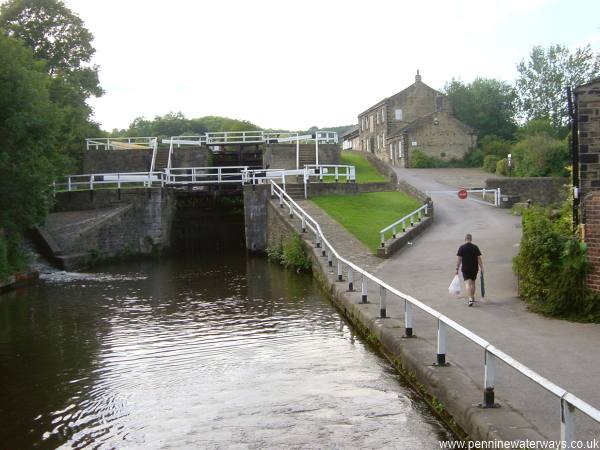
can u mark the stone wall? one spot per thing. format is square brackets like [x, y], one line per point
[111, 161]
[283, 156]
[540, 190]
[591, 218]
[87, 225]
[256, 198]
[446, 140]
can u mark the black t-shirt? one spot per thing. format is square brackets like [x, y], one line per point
[469, 253]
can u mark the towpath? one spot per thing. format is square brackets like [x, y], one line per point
[564, 352]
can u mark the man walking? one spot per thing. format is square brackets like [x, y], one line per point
[468, 259]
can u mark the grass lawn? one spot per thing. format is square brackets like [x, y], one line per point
[365, 171]
[364, 215]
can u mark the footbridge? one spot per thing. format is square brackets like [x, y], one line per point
[190, 177]
[217, 142]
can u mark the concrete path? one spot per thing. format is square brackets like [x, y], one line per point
[566, 353]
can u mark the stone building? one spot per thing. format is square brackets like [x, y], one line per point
[350, 139]
[419, 117]
[587, 102]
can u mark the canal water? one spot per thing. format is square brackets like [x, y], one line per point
[211, 348]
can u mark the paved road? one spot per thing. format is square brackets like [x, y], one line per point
[565, 353]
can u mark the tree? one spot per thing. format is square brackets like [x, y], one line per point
[544, 78]
[29, 155]
[58, 37]
[488, 105]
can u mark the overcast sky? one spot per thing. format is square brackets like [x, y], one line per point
[295, 64]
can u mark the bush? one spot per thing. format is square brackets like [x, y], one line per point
[291, 254]
[552, 266]
[490, 162]
[502, 167]
[541, 156]
[420, 160]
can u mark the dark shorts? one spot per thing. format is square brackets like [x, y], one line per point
[470, 275]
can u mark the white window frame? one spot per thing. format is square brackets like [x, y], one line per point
[398, 114]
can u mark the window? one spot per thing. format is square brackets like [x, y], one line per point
[371, 123]
[383, 115]
[400, 149]
[391, 151]
[398, 113]
[377, 117]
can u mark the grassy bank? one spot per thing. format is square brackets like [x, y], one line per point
[364, 215]
[365, 171]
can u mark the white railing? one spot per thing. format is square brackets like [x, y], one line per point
[205, 175]
[568, 402]
[494, 192]
[322, 171]
[124, 143]
[93, 180]
[200, 176]
[403, 223]
[251, 137]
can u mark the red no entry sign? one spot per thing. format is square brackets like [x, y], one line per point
[462, 194]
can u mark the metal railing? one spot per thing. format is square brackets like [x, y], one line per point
[199, 176]
[251, 137]
[407, 219]
[93, 180]
[568, 402]
[495, 192]
[124, 143]
[205, 175]
[322, 171]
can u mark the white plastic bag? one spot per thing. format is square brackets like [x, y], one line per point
[454, 287]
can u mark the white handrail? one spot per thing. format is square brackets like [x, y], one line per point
[568, 400]
[418, 213]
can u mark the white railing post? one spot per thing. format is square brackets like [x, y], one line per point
[303, 224]
[441, 344]
[408, 319]
[297, 152]
[149, 179]
[339, 270]
[382, 240]
[69, 183]
[382, 302]
[305, 176]
[91, 182]
[567, 423]
[318, 236]
[394, 232]
[317, 148]
[363, 289]
[329, 255]
[489, 380]
[118, 181]
[219, 174]
[336, 174]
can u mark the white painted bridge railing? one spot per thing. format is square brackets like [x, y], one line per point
[200, 176]
[251, 137]
[568, 402]
[125, 143]
[94, 180]
[337, 171]
[410, 218]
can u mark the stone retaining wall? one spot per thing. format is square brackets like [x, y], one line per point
[540, 190]
[93, 225]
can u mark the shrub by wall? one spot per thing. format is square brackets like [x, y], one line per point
[552, 266]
